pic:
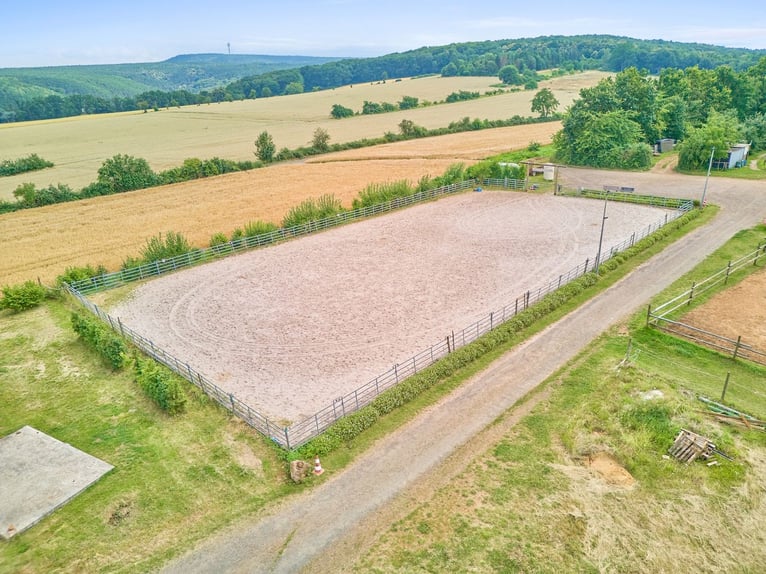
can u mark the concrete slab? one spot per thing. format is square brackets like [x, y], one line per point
[38, 474]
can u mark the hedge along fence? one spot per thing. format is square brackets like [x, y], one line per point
[526, 308]
[194, 257]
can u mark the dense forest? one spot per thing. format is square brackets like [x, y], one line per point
[487, 58]
[614, 123]
[101, 87]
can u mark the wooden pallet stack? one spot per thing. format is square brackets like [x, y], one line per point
[689, 446]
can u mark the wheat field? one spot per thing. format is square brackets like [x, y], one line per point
[43, 242]
[78, 146]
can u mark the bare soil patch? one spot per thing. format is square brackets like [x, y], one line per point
[608, 468]
[289, 328]
[738, 311]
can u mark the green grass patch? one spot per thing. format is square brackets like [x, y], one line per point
[176, 479]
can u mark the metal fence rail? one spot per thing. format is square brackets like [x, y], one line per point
[627, 197]
[701, 287]
[304, 430]
[727, 345]
[660, 316]
[156, 268]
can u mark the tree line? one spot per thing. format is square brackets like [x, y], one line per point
[614, 123]
[518, 59]
[123, 173]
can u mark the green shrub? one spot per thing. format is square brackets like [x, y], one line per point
[73, 274]
[157, 248]
[21, 297]
[376, 193]
[32, 162]
[254, 228]
[160, 385]
[108, 344]
[312, 210]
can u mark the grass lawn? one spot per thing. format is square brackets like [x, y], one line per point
[175, 478]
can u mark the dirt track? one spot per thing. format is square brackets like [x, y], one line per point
[335, 522]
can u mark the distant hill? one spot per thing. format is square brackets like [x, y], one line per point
[190, 72]
[41, 93]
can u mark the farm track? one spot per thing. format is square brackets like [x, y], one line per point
[338, 520]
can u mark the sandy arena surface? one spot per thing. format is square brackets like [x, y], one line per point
[289, 328]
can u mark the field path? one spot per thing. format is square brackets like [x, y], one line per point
[330, 526]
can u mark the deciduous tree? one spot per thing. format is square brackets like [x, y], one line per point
[264, 147]
[544, 103]
[321, 140]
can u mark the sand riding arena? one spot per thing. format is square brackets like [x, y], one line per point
[289, 328]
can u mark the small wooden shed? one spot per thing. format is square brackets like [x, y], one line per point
[738, 155]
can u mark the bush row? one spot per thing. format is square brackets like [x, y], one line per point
[354, 424]
[119, 174]
[160, 384]
[32, 162]
[107, 343]
[24, 296]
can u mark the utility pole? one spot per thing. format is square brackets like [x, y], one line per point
[601, 237]
[709, 166]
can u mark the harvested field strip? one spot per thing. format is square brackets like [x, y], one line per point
[43, 242]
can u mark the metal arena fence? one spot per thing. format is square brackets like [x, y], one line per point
[660, 316]
[302, 431]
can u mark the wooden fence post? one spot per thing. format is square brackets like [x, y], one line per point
[648, 314]
[691, 293]
[725, 385]
[728, 271]
[737, 346]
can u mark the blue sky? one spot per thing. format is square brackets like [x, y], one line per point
[54, 32]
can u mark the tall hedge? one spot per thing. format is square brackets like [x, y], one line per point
[108, 344]
[160, 385]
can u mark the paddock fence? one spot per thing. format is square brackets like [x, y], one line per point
[662, 315]
[197, 256]
[300, 432]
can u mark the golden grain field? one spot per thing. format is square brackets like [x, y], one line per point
[43, 242]
[78, 146]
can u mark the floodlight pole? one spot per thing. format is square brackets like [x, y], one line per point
[601, 237]
[709, 166]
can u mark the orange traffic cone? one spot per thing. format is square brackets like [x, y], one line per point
[318, 467]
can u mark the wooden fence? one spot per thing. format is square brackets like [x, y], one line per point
[304, 430]
[660, 316]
